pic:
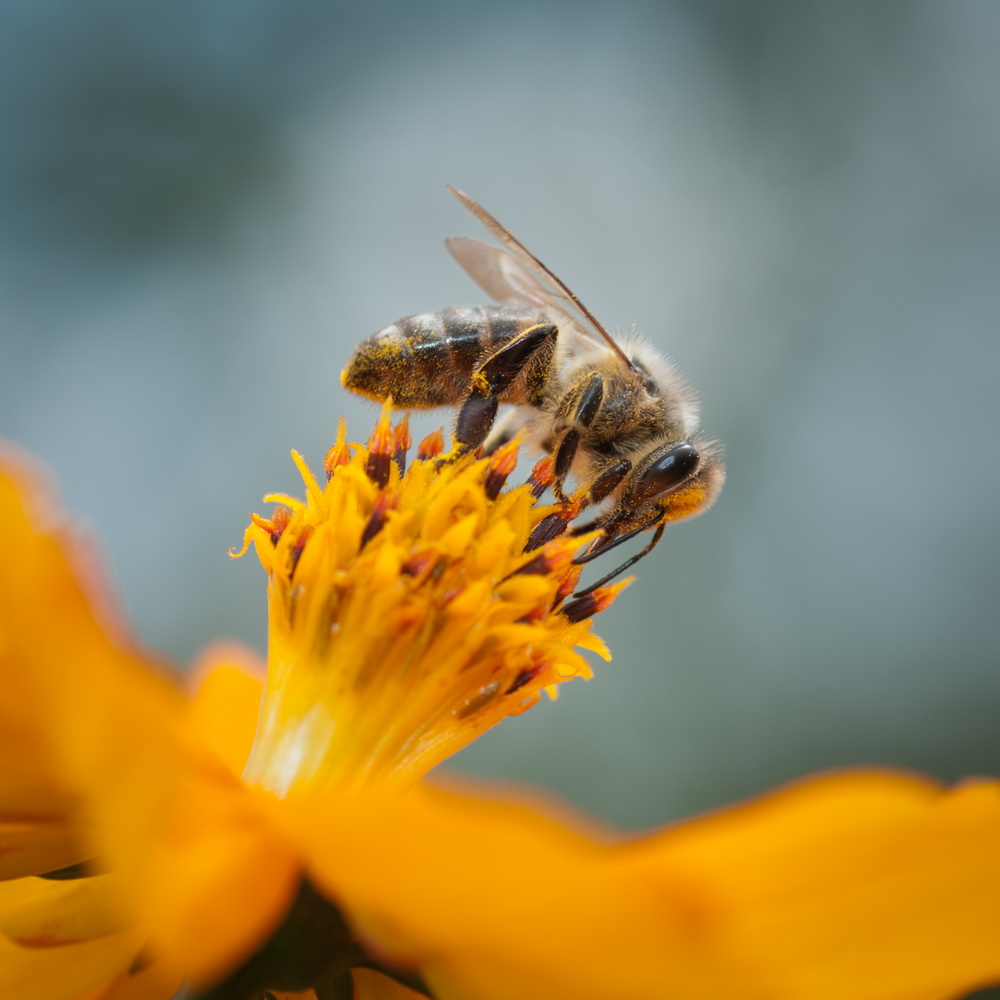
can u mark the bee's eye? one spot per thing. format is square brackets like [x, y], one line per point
[668, 470]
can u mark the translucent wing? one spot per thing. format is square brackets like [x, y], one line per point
[516, 273]
[496, 272]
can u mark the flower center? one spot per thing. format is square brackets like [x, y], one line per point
[410, 609]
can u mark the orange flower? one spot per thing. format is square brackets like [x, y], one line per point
[405, 619]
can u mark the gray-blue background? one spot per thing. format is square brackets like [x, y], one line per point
[206, 204]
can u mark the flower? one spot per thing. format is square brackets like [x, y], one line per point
[330, 854]
[410, 610]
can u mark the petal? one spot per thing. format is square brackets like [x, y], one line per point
[869, 885]
[222, 881]
[65, 973]
[44, 913]
[29, 846]
[877, 886]
[84, 723]
[370, 985]
[228, 679]
[493, 899]
[153, 982]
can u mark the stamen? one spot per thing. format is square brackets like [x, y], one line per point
[542, 476]
[431, 446]
[380, 510]
[401, 440]
[340, 453]
[502, 464]
[548, 528]
[553, 525]
[592, 603]
[411, 609]
[381, 446]
[298, 548]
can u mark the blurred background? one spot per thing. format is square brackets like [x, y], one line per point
[207, 204]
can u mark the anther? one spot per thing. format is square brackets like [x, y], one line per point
[570, 578]
[558, 555]
[593, 602]
[549, 527]
[401, 440]
[523, 678]
[431, 446]
[379, 514]
[542, 475]
[502, 464]
[539, 662]
[419, 564]
[380, 451]
[339, 453]
[298, 547]
[553, 525]
[277, 524]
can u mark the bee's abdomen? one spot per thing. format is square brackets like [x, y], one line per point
[428, 360]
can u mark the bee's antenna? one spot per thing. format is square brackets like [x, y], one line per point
[504, 235]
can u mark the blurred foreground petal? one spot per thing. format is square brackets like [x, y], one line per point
[869, 885]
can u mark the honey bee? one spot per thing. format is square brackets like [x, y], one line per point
[617, 418]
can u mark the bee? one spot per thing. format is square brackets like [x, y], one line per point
[617, 418]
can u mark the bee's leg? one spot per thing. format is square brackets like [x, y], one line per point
[494, 375]
[504, 431]
[628, 564]
[606, 483]
[585, 399]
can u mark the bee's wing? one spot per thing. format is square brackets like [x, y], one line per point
[516, 273]
[505, 279]
[496, 272]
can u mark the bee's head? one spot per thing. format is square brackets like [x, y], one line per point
[673, 481]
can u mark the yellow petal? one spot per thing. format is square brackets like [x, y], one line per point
[222, 881]
[153, 982]
[45, 913]
[228, 680]
[63, 973]
[873, 886]
[30, 847]
[85, 726]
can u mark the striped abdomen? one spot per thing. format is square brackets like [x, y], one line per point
[428, 360]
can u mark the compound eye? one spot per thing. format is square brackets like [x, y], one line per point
[667, 472]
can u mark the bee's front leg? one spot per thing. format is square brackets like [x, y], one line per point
[494, 376]
[577, 412]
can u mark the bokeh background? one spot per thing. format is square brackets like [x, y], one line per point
[207, 204]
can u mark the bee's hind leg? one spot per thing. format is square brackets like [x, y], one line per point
[494, 376]
[579, 409]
